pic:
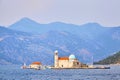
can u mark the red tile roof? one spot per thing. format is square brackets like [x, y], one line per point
[63, 58]
[36, 63]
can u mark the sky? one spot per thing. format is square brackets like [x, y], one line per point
[104, 12]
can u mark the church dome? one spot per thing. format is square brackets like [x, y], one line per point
[72, 56]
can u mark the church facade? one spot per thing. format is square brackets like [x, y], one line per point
[67, 62]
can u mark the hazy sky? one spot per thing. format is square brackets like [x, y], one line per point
[104, 12]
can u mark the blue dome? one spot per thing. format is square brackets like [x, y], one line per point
[72, 56]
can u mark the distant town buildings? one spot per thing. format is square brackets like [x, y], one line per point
[67, 62]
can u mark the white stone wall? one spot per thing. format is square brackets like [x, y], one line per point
[70, 64]
[34, 66]
[63, 63]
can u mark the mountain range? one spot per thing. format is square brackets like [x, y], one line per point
[28, 41]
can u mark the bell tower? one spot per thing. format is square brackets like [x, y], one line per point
[56, 64]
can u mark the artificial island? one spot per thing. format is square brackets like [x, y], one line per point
[70, 62]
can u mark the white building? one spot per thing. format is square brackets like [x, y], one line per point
[67, 62]
[36, 65]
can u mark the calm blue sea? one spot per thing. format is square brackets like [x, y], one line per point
[13, 72]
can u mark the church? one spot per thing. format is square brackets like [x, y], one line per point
[67, 62]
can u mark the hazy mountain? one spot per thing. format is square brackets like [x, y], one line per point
[113, 59]
[18, 47]
[28, 41]
[86, 31]
[28, 25]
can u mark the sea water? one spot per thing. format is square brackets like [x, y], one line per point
[14, 72]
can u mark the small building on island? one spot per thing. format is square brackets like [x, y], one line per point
[67, 62]
[35, 65]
